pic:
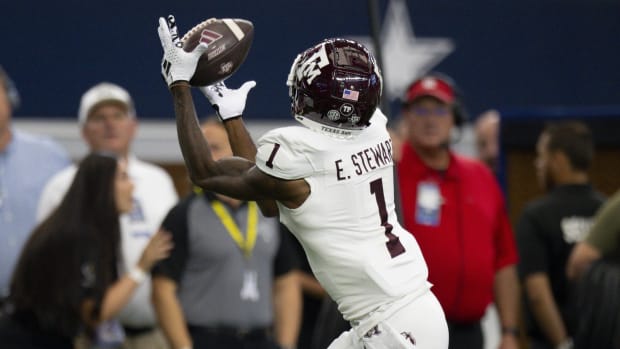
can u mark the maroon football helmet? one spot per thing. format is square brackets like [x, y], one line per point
[335, 87]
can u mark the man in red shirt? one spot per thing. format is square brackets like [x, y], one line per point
[455, 209]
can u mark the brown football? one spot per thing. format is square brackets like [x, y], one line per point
[229, 42]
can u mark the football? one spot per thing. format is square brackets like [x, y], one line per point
[229, 42]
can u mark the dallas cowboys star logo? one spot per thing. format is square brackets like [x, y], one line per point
[405, 57]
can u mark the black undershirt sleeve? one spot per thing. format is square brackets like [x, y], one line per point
[176, 224]
[531, 245]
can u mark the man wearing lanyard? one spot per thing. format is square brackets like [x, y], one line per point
[230, 276]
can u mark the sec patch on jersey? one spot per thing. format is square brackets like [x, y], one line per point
[229, 41]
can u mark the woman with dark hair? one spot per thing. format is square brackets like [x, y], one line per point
[65, 280]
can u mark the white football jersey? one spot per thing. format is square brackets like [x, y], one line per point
[348, 225]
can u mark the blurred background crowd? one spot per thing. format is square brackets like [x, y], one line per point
[504, 120]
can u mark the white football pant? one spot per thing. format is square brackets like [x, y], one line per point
[420, 324]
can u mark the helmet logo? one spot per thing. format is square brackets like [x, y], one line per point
[354, 119]
[333, 115]
[311, 67]
[346, 109]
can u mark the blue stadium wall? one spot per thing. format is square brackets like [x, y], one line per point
[508, 54]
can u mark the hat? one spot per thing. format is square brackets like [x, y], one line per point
[104, 92]
[430, 86]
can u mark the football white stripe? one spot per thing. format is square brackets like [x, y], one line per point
[234, 28]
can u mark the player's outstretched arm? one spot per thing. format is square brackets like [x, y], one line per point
[235, 177]
[194, 146]
[177, 69]
[229, 105]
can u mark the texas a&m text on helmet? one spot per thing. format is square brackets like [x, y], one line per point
[335, 87]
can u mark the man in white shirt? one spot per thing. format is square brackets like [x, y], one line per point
[108, 123]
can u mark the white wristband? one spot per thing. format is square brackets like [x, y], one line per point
[566, 344]
[137, 274]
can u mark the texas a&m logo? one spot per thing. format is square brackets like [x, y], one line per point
[311, 67]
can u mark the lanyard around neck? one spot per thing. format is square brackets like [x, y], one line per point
[246, 245]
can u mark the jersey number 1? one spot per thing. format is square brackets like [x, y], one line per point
[393, 244]
[269, 162]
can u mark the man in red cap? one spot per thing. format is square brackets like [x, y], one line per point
[455, 209]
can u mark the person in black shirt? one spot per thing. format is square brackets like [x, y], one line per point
[550, 226]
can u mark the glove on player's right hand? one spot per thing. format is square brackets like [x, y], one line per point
[177, 65]
[228, 103]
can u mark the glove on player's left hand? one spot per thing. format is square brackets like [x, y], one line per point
[228, 103]
[176, 65]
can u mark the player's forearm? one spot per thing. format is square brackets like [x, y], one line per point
[287, 309]
[194, 147]
[169, 314]
[544, 308]
[240, 140]
[506, 286]
[243, 146]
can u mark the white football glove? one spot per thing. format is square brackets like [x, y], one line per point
[177, 65]
[228, 103]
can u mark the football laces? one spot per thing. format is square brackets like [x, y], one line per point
[197, 27]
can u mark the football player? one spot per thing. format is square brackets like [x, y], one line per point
[330, 182]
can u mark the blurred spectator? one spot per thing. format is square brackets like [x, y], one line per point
[550, 226]
[26, 163]
[602, 240]
[486, 133]
[229, 282]
[398, 135]
[487, 138]
[595, 266]
[455, 208]
[66, 278]
[313, 296]
[108, 121]
[329, 325]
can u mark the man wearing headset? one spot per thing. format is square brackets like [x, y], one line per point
[455, 209]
